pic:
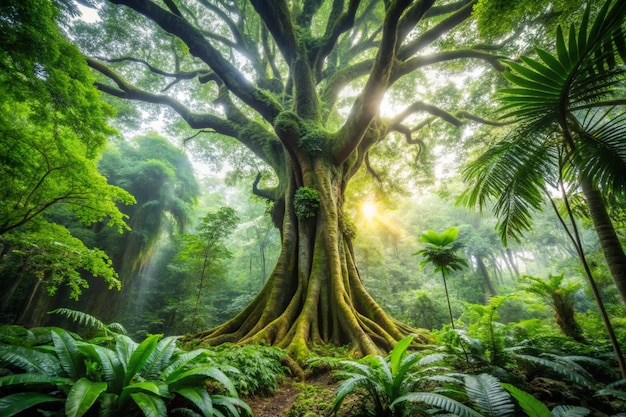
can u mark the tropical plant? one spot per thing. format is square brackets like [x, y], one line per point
[389, 383]
[570, 129]
[560, 297]
[440, 251]
[108, 331]
[385, 379]
[153, 378]
[532, 407]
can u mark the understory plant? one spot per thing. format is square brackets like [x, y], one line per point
[152, 378]
[262, 365]
[388, 382]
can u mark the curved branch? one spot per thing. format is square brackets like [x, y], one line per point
[369, 168]
[263, 193]
[436, 32]
[236, 82]
[421, 61]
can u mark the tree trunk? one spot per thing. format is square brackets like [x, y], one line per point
[485, 274]
[609, 242]
[314, 295]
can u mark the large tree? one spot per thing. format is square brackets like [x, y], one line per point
[303, 85]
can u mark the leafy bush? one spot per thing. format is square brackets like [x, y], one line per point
[153, 378]
[261, 366]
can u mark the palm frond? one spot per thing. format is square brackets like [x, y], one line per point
[600, 151]
[488, 395]
[511, 174]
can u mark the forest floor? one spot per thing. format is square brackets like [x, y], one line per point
[295, 398]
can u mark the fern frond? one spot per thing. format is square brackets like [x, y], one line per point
[558, 368]
[440, 401]
[488, 395]
[570, 411]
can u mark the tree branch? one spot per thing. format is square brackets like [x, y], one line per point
[236, 82]
[365, 107]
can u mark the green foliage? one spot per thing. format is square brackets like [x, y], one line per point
[313, 142]
[484, 325]
[90, 321]
[50, 254]
[440, 250]
[261, 368]
[52, 124]
[567, 123]
[153, 378]
[306, 201]
[384, 379]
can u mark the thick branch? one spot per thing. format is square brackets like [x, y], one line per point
[275, 14]
[436, 32]
[366, 105]
[422, 61]
[236, 82]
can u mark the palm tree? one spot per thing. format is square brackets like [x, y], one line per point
[440, 251]
[569, 132]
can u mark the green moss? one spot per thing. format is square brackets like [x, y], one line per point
[313, 142]
[312, 401]
[289, 123]
[306, 202]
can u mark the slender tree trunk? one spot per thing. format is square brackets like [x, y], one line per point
[611, 246]
[485, 274]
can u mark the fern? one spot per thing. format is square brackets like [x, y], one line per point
[488, 395]
[89, 321]
[439, 401]
[560, 368]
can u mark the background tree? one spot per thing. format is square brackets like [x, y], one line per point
[206, 249]
[53, 128]
[440, 251]
[560, 297]
[308, 88]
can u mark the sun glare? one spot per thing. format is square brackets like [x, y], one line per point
[369, 210]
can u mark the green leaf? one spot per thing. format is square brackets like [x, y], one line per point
[13, 404]
[531, 406]
[33, 378]
[140, 357]
[83, 394]
[398, 352]
[69, 356]
[150, 405]
[440, 401]
[199, 397]
[570, 411]
[30, 360]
